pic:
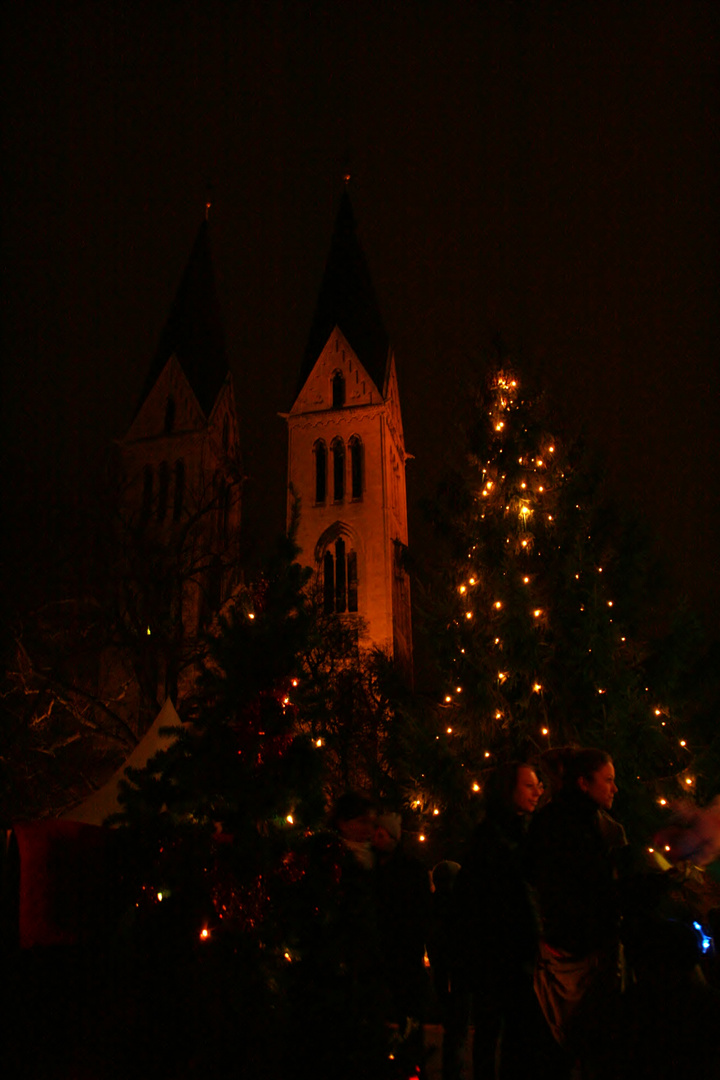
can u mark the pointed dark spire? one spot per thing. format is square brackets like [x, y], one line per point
[194, 331]
[347, 299]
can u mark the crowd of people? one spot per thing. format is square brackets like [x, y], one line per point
[548, 953]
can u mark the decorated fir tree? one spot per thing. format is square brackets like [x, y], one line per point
[546, 621]
[243, 897]
[217, 824]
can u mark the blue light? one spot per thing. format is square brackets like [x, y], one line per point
[705, 941]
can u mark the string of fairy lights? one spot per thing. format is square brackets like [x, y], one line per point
[518, 497]
[520, 494]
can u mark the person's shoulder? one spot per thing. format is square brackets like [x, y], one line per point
[612, 831]
[550, 816]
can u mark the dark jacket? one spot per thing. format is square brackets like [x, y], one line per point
[572, 865]
[496, 924]
[404, 908]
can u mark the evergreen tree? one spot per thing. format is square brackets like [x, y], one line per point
[217, 824]
[242, 897]
[546, 621]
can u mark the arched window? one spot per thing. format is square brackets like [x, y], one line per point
[328, 582]
[179, 495]
[340, 576]
[338, 452]
[340, 579]
[147, 494]
[352, 581]
[169, 414]
[225, 433]
[163, 489]
[320, 452]
[356, 467]
[338, 390]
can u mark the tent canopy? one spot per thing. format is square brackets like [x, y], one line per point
[104, 802]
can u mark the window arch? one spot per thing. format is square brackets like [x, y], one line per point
[338, 453]
[320, 452]
[338, 390]
[340, 577]
[356, 466]
[163, 489]
[328, 582]
[352, 581]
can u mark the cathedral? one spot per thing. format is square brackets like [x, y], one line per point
[346, 453]
[180, 458]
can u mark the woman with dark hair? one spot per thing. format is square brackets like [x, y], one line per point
[496, 927]
[572, 857]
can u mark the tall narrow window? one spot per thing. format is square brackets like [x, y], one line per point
[163, 489]
[225, 434]
[340, 577]
[338, 451]
[338, 390]
[147, 494]
[328, 583]
[179, 495]
[169, 414]
[320, 451]
[352, 581]
[356, 467]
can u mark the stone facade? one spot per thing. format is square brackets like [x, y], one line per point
[179, 481]
[346, 465]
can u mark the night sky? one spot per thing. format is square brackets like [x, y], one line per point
[543, 171]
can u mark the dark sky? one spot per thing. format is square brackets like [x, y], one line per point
[546, 171]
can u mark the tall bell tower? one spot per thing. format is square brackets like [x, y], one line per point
[346, 454]
[180, 479]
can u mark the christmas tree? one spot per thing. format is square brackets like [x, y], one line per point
[244, 901]
[546, 621]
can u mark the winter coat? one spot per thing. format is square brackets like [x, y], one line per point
[495, 921]
[573, 845]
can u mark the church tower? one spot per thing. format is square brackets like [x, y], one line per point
[180, 475]
[346, 454]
